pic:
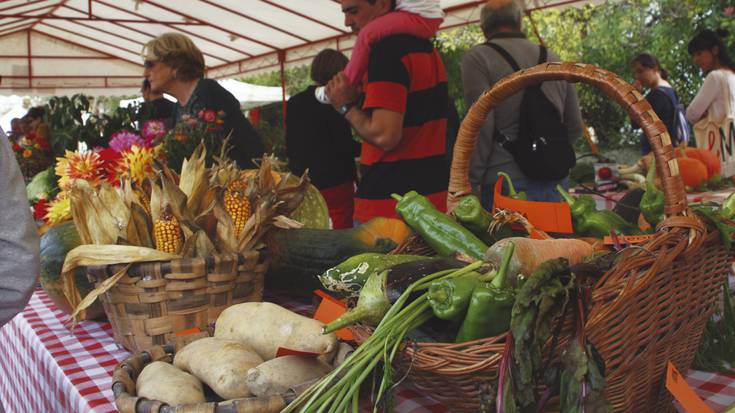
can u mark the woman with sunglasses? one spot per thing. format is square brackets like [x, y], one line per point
[174, 65]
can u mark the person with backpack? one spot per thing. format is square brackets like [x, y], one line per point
[529, 135]
[649, 75]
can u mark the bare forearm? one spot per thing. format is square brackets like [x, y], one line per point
[380, 127]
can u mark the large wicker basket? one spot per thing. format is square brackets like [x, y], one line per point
[155, 300]
[649, 309]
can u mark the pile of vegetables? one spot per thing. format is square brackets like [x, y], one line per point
[240, 364]
[469, 289]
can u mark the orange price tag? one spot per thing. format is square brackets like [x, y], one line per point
[546, 216]
[329, 310]
[188, 331]
[683, 393]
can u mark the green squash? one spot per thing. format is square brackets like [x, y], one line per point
[55, 244]
[312, 212]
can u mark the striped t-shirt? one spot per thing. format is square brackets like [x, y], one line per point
[405, 75]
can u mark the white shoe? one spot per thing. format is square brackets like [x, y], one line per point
[321, 95]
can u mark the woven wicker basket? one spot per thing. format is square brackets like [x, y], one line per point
[155, 300]
[649, 309]
[127, 372]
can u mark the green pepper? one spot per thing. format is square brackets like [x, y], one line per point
[652, 202]
[491, 305]
[470, 213]
[449, 298]
[588, 220]
[521, 196]
[442, 233]
[727, 209]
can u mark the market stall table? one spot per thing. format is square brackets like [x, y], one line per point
[608, 200]
[47, 369]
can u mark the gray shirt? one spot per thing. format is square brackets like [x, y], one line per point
[19, 245]
[482, 66]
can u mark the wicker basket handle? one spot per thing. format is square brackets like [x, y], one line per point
[611, 84]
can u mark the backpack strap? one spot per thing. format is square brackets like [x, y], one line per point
[505, 55]
[542, 54]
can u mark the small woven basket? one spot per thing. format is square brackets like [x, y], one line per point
[649, 309]
[155, 300]
[127, 372]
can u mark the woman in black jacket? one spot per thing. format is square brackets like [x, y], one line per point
[174, 65]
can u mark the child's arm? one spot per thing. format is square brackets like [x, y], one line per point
[399, 22]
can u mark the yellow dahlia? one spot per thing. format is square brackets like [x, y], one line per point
[59, 210]
[136, 164]
[75, 165]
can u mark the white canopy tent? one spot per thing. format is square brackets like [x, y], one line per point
[56, 47]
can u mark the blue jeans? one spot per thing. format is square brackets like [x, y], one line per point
[536, 190]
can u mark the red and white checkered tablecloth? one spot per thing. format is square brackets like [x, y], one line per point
[44, 368]
[609, 199]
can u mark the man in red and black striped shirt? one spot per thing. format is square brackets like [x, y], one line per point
[402, 119]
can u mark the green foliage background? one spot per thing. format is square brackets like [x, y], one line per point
[606, 35]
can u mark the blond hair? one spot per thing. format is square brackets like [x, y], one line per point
[178, 51]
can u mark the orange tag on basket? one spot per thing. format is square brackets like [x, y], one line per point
[188, 331]
[627, 239]
[329, 310]
[546, 216]
[683, 393]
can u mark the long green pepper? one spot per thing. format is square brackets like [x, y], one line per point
[491, 305]
[443, 234]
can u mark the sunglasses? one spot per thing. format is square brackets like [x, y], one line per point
[149, 64]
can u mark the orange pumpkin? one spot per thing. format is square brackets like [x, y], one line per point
[709, 158]
[692, 171]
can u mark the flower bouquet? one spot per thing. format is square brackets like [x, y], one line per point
[180, 142]
[33, 155]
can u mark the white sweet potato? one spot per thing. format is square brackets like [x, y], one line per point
[222, 364]
[275, 377]
[265, 327]
[164, 382]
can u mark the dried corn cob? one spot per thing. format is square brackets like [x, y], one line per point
[167, 233]
[237, 204]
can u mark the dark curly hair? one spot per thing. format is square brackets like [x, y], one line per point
[709, 39]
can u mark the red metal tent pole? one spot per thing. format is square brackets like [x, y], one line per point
[30, 59]
[282, 62]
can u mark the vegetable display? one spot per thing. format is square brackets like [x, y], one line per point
[444, 235]
[529, 254]
[587, 220]
[449, 298]
[490, 306]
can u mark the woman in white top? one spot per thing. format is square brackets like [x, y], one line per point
[710, 54]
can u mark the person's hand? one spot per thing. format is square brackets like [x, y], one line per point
[341, 92]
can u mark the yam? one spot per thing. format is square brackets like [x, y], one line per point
[265, 327]
[163, 382]
[530, 253]
[275, 377]
[222, 364]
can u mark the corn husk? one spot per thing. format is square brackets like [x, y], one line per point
[140, 227]
[193, 181]
[93, 255]
[95, 221]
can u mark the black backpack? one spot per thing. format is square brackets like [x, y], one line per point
[542, 149]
